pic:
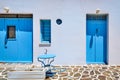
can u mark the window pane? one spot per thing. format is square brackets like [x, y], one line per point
[11, 32]
[45, 30]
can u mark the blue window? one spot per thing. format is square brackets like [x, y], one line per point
[45, 29]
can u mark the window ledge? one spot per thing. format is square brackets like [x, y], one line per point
[45, 44]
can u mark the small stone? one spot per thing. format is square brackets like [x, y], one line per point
[102, 77]
[108, 78]
[88, 69]
[59, 78]
[77, 75]
[69, 70]
[85, 67]
[75, 69]
[104, 67]
[115, 74]
[89, 66]
[116, 77]
[107, 73]
[101, 70]
[85, 76]
[71, 73]
[118, 66]
[63, 74]
[94, 76]
[86, 79]
[116, 70]
[65, 79]
[85, 72]
[91, 73]
[96, 67]
[81, 69]
[112, 66]
[97, 72]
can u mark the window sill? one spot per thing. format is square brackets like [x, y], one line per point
[45, 44]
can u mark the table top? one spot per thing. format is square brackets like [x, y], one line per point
[47, 56]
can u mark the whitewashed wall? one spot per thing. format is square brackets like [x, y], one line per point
[69, 38]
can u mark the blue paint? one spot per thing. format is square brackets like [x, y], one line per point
[96, 39]
[47, 56]
[45, 29]
[18, 49]
[25, 39]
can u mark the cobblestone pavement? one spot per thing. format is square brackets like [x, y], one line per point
[78, 72]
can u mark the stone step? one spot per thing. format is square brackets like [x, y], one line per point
[26, 75]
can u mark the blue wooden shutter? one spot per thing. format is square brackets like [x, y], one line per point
[45, 30]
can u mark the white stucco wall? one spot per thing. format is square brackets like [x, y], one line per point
[69, 38]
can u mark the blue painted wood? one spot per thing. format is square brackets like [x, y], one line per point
[18, 49]
[45, 29]
[2, 38]
[2, 24]
[90, 48]
[96, 40]
[25, 40]
[10, 46]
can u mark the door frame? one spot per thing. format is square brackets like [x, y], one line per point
[107, 34]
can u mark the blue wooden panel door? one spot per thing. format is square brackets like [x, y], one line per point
[16, 40]
[96, 39]
[9, 46]
[25, 40]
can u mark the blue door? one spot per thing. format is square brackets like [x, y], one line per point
[25, 42]
[96, 39]
[16, 40]
[10, 44]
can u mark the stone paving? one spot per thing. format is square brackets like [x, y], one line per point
[78, 72]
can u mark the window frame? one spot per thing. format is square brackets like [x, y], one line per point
[42, 41]
[7, 32]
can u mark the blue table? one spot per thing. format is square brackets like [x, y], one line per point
[46, 57]
[46, 60]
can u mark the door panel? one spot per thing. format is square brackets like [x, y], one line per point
[96, 30]
[90, 48]
[10, 45]
[25, 39]
[99, 49]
